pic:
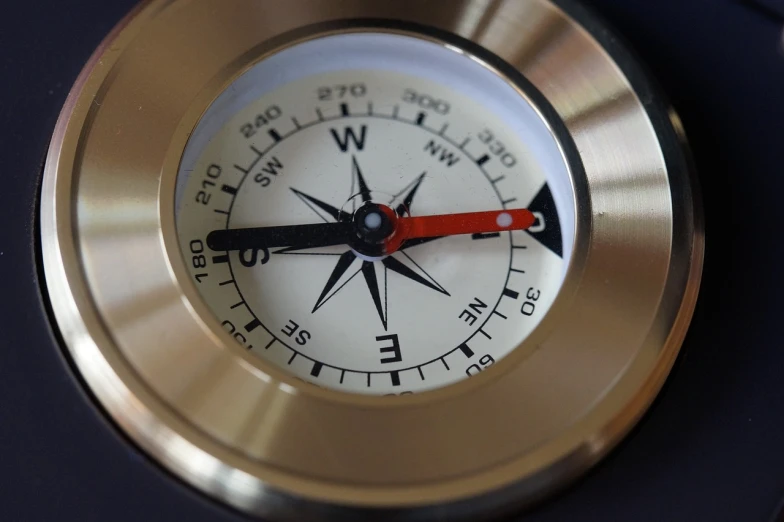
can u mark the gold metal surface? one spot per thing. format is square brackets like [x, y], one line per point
[245, 432]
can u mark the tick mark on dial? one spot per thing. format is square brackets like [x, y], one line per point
[395, 376]
[521, 247]
[293, 356]
[421, 375]
[511, 293]
[445, 364]
[316, 370]
[468, 352]
[344, 109]
[220, 259]
[499, 314]
[342, 375]
[255, 323]
[420, 118]
[496, 180]
[395, 111]
[270, 343]
[319, 114]
[486, 235]
[229, 190]
[237, 305]
[464, 143]
[482, 160]
[517, 270]
[219, 211]
[484, 333]
[443, 129]
[274, 135]
[246, 171]
[370, 108]
[296, 123]
[507, 201]
[224, 283]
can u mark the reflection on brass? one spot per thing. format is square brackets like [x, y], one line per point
[246, 433]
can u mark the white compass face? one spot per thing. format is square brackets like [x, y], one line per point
[328, 127]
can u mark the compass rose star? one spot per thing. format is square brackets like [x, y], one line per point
[349, 264]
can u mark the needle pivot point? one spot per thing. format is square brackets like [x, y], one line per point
[374, 223]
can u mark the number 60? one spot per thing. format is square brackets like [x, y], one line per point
[485, 361]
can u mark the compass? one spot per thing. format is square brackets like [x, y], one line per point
[309, 159]
[328, 259]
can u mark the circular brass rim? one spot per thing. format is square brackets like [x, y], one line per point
[284, 449]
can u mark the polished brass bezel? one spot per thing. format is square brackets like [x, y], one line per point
[249, 434]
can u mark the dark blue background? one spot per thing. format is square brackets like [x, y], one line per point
[711, 448]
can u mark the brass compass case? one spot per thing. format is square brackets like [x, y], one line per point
[253, 436]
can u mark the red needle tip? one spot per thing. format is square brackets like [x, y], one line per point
[454, 224]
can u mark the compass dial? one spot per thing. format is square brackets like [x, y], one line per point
[322, 146]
